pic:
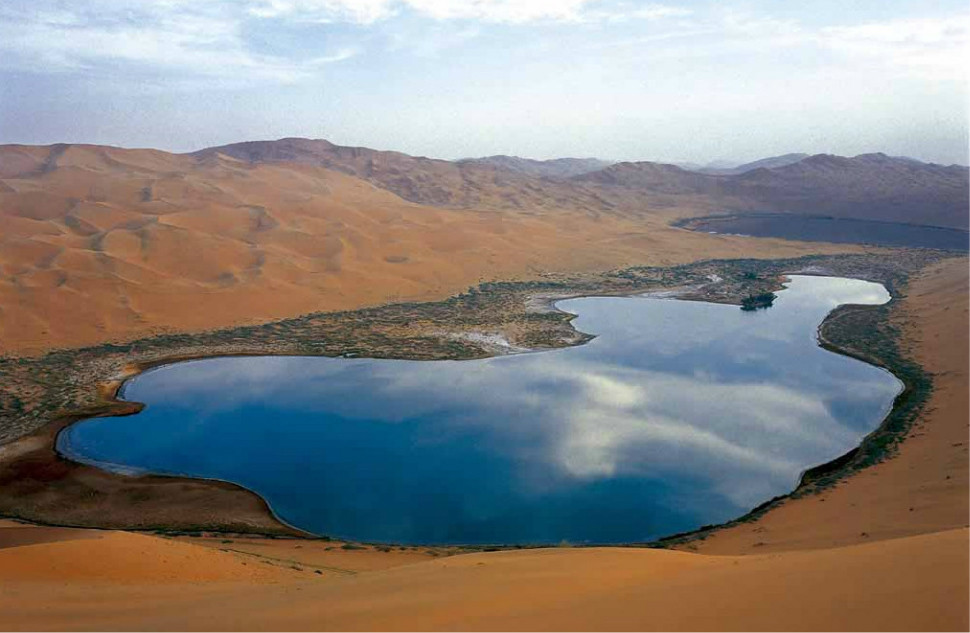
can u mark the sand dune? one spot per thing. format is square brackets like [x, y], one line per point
[101, 243]
[125, 581]
[859, 560]
[67, 556]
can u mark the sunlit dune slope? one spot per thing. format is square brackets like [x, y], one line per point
[914, 583]
[100, 243]
[42, 554]
[811, 568]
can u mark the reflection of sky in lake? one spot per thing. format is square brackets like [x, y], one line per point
[678, 414]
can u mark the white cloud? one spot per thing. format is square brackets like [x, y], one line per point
[172, 43]
[586, 415]
[358, 11]
[509, 11]
[658, 11]
[494, 11]
[177, 40]
[158, 40]
[606, 391]
[932, 47]
[929, 48]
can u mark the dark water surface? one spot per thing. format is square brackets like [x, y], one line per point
[842, 231]
[677, 415]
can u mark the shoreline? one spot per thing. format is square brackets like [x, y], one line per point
[837, 468]
[908, 403]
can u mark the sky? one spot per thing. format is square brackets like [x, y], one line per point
[699, 81]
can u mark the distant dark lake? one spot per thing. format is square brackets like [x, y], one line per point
[677, 415]
[826, 229]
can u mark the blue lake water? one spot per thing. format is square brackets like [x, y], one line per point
[791, 226]
[678, 414]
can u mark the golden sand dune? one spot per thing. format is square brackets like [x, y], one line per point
[100, 243]
[103, 244]
[65, 555]
[124, 581]
[859, 560]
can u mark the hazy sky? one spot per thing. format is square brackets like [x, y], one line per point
[617, 79]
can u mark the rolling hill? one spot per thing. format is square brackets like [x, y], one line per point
[766, 163]
[868, 186]
[103, 243]
[99, 243]
[466, 183]
[652, 177]
[559, 168]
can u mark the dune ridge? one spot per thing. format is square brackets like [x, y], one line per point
[100, 244]
[107, 244]
[911, 583]
[859, 560]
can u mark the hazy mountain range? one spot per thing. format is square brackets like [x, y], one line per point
[728, 169]
[130, 241]
[868, 186]
[554, 168]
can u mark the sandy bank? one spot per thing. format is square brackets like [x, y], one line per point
[922, 489]
[38, 484]
[887, 549]
[151, 584]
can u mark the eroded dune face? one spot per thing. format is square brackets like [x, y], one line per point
[100, 243]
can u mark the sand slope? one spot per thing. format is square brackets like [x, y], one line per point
[814, 568]
[121, 581]
[66, 556]
[101, 243]
[926, 487]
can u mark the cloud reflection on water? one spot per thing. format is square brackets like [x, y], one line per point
[737, 403]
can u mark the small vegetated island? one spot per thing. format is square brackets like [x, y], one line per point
[757, 302]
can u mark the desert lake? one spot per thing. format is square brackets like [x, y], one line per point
[677, 414]
[829, 229]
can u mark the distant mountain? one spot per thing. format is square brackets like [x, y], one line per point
[766, 163]
[651, 177]
[689, 166]
[722, 164]
[97, 239]
[357, 161]
[100, 241]
[416, 178]
[868, 186]
[554, 168]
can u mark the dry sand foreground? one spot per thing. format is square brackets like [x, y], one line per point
[886, 550]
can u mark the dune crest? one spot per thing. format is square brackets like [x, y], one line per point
[102, 243]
